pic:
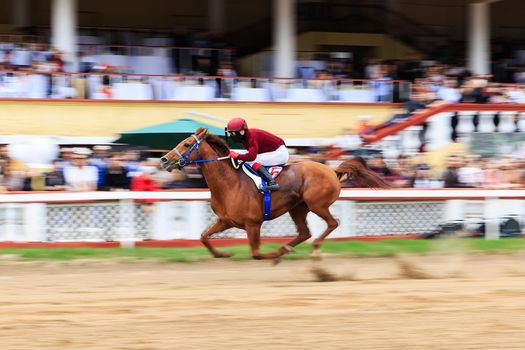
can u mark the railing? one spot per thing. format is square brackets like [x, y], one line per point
[156, 59]
[19, 38]
[143, 59]
[448, 123]
[125, 217]
[34, 84]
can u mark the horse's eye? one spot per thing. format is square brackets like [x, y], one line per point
[186, 145]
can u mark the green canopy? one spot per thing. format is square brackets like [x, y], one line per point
[166, 135]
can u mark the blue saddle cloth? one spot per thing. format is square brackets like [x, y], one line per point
[267, 197]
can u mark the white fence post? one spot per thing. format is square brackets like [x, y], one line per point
[160, 223]
[465, 125]
[344, 216]
[486, 122]
[196, 219]
[439, 130]
[410, 139]
[454, 210]
[506, 122]
[126, 229]
[10, 227]
[348, 221]
[35, 226]
[186, 214]
[492, 218]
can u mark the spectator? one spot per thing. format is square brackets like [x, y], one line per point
[100, 160]
[11, 179]
[5, 61]
[471, 174]
[449, 92]
[450, 175]
[78, 175]
[511, 174]
[106, 90]
[325, 83]
[475, 90]
[131, 161]
[404, 172]
[144, 181]
[498, 97]
[116, 175]
[515, 94]
[225, 86]
[492, 177]
[56, 61]
[423, 178]
[382, 86]
[372, 68]
[13, 164]
[65, 156]
[54, 180]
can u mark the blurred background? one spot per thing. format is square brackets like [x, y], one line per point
[430, 93]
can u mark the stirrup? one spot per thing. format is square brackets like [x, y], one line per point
[271, 187]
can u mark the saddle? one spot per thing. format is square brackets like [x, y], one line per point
[257, 179]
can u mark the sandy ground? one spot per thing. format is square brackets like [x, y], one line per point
[465, 302]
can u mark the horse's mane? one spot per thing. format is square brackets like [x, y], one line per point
[218, 144]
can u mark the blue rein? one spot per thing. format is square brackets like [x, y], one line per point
[183, 158]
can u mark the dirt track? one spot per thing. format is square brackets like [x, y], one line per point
[474, 302]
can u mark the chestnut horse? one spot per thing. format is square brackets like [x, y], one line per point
[304, 186]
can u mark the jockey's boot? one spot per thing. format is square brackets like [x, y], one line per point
[272, 185]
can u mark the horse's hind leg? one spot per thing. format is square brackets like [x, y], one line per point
[298, 215]
[217, 226]
[331, 222]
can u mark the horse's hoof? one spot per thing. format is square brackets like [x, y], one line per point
[316, 254]
[223, 255]
[276, 261]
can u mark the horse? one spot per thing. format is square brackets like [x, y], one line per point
[304, 186]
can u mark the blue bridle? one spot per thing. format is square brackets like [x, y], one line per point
[184, 158]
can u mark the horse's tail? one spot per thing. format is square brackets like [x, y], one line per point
[357, 171]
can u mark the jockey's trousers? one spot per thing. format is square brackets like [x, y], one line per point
[278, 157]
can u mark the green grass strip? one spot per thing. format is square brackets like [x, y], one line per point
[389, 247]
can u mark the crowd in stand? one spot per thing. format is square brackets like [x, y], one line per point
[461, 170]
[104, 169]
[199, 53]
[83, 169]
[438, 86]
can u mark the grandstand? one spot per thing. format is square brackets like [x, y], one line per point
[334, 78]
[107, 151]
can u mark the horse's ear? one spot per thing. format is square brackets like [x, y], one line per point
[201, 133]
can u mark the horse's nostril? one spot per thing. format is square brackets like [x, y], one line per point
[163, 160]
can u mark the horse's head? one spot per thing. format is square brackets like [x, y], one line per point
[186, 151]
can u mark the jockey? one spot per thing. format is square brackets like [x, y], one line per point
[264, 149]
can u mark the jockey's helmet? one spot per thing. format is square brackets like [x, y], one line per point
[237, 124]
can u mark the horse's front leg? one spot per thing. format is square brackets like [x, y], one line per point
[217, 226]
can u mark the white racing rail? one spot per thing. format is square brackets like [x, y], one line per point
[131, 216]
